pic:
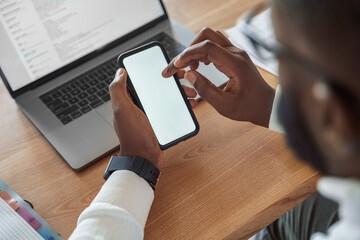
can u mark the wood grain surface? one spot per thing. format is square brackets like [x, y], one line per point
[228, 182]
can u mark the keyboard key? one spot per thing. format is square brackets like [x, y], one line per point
[110, 70]
[56, 95]
[84, 87]
[76, 114]
[92, 98]
[93, 82]
[60, 108]
[65, 97]
[108, 81]
[85, 109]
[106, 98]
[82, 95]
[101, 93]
[54, 103]
[96, 103]
[100, 86]
[73, 100]
[46, 99]
[75, 91]
[66, 120]
[91, 90]
[64, 90]
[67, 111]
[83, 102]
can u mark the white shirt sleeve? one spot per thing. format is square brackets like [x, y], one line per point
[118, 211]
[274, 123]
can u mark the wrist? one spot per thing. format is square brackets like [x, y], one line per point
[142, 167]
[262, 116]
[154, 158]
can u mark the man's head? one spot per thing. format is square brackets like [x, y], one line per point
[321, 116]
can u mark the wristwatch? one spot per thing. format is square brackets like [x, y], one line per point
[138, 165]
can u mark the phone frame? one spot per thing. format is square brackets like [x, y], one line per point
[136, 99]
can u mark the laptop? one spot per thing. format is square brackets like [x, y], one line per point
[59, 57]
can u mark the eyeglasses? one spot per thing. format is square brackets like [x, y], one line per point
[264, 46]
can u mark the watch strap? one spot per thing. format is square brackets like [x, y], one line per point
[138, 165]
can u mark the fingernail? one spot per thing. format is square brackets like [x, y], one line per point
[164, 72]
[191, 77]
[119, 72]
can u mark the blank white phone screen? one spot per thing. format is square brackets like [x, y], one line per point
[160, 97]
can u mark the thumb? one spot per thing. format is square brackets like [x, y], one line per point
[206, 89]
[117, 88]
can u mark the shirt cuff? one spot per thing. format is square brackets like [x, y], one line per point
[128, 191]
[274, 123]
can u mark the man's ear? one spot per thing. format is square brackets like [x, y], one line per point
[337, 127]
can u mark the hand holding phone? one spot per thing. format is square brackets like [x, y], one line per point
[162, 100]
[132, 127]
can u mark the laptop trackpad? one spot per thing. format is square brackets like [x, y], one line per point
[84, 139]
[106, 112]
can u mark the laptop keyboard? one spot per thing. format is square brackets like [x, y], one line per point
[90, 90]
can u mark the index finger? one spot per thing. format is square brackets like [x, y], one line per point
[206, 34]
[206, 51]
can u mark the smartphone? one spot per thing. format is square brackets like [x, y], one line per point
[163, 100]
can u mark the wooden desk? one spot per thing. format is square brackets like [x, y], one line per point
[226, 183]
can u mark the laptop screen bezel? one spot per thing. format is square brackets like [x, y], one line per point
[83, 59]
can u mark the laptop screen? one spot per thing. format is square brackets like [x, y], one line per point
[39, 37]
